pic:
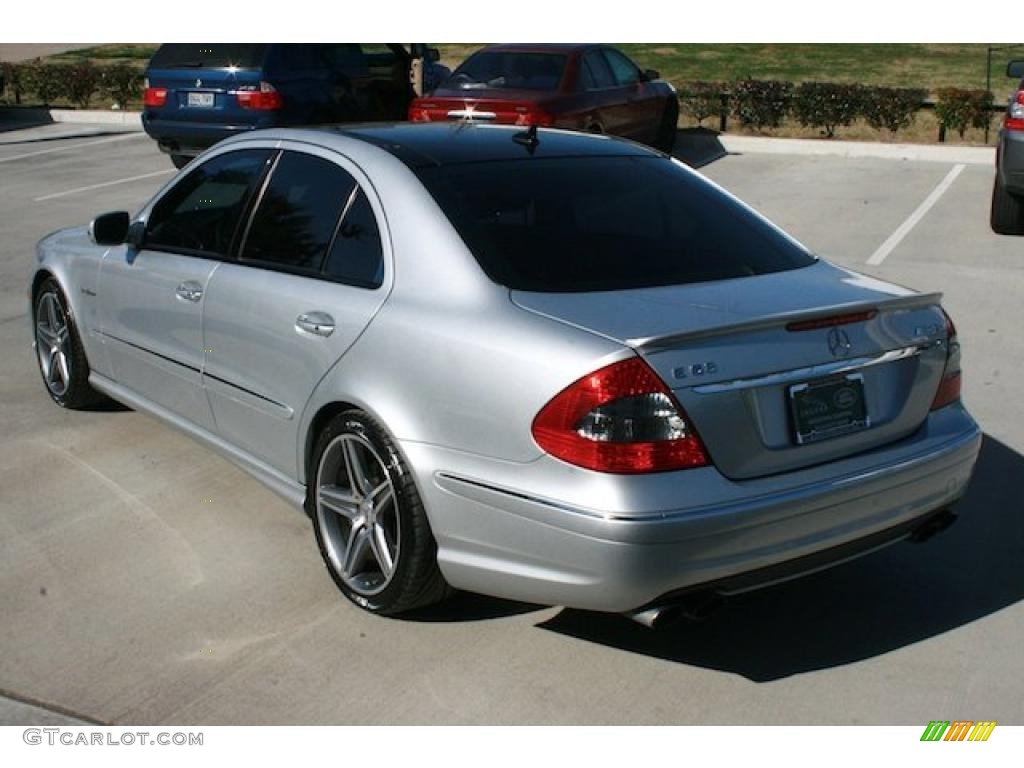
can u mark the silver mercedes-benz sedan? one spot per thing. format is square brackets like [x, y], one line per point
[553, 367]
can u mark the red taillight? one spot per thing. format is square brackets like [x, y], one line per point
[1014, 120]
[530, 115]
[154, 97]
[419, 112]
[264, 98]
[949, 386]
[621, 418]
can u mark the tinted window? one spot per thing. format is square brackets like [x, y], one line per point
[356, 255]
[298, 213]
[208, 55]
[201, 212]
[510, 69]
[624, 71]
[297, 56]
[596, 73]
[604, 223]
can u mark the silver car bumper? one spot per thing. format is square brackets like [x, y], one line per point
[509, 543]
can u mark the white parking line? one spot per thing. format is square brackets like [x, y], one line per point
[897, 237]
[125, 180]
[119, 137]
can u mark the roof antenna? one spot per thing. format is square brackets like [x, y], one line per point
[528, 138]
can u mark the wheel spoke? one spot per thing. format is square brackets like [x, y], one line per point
[356, 468]
[52, 318]
[46, 335]
[62, 367]
[382, 495]
[51, 368]
[356, 550]
[338, 500]
[381, 550]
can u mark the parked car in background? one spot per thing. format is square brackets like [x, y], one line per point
[199, 93]
[1008, 191]
[536, 364]
[593, 88]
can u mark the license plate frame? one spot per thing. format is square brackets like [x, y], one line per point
[203, 99]
[829, 407]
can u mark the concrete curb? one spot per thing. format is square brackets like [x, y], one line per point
[129, 120]
[933, 153]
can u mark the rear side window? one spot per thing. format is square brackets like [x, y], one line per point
[510, 69]
[201, 212]
[298, 213]
[356, 256]
[604, 223]
[208, 56]
[596, 73]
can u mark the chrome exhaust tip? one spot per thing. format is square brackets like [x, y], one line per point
[691, 610]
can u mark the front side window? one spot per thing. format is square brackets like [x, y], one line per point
[624, 71]
[604, 224]
[298, 213]
[201, 212]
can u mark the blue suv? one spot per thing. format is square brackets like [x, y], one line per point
[199, 93]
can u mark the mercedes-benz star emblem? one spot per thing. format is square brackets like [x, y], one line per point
[199, 83]
[839, 343]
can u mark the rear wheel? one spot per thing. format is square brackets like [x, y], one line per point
[180, 161]
[370, 524]
[666, 138]
[59, 351]
[1007, 211]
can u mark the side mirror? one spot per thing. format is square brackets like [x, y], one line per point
[136, 234]
[1015, 68]
[651, 74]
[110, 228]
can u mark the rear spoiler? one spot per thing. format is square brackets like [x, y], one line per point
[669, 340]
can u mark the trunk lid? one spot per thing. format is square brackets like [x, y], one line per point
[493, 105]
[729, 351]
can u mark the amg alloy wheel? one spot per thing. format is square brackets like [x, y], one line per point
[59, 352]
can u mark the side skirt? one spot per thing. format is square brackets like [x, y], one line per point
[285, 487]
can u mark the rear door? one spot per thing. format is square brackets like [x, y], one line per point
[309, 278]
[201, 79]
[152, 298]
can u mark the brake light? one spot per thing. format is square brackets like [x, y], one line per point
[949, 386]
[622, 419]
[154, 97]
[831, 320]
[1014, 120]
[419, 112]
[531, 115]
[265, 97]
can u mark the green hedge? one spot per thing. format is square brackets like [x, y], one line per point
[960, 109]
[48, 83]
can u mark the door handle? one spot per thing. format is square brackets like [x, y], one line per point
[190, 290]
[319, 323]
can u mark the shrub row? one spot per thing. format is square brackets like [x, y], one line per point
[762, 104]
[48, 83]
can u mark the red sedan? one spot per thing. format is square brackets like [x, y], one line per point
[582, 87]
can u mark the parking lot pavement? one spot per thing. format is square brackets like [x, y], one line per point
[144, 580]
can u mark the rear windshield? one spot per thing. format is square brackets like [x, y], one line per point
[510, 69]
[604, 223]
[208, 56]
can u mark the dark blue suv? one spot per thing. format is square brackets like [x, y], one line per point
[199, 93]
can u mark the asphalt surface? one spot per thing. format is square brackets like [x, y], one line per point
[145, 580]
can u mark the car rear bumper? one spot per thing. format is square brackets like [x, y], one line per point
[190, 138]
[502, 542]
[1010, 162]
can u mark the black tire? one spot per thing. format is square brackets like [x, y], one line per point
[74, 393]
[666, 139]
[180, 161]
[415, 580]
[1007, 211]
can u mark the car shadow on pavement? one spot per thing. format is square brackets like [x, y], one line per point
[888, 600]
[465, 606]
[698, 147]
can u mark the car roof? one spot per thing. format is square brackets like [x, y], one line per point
[421, 145]
[537, 47]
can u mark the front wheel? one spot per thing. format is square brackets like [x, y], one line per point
[1007, 216]
[370, 523]
[59, 351]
